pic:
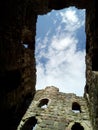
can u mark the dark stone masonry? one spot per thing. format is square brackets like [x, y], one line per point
[18, 95]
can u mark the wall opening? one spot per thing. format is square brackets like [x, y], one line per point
[76, 107]
[77, 126]
[43, 103]
[30, 124]
[60, 50]
[26, 39]
[25, 45]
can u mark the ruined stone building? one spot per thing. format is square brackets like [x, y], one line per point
[53, 110]
[18, 71]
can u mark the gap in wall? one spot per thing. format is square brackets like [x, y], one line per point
[60, 50]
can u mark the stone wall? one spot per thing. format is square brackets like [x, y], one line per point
[91, 88]
[17, 56]
[17, 60]
[61, 112]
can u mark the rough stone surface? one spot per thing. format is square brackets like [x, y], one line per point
[17, 63]
[91, 88]
[59, 114]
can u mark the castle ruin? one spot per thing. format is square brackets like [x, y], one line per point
[18, 70]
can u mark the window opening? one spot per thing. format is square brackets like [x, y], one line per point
[77, 126]
[43, 103]
[30, 124]
[76, 107]
[26, 38]
[25, 45]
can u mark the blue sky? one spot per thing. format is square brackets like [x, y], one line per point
[60, 50]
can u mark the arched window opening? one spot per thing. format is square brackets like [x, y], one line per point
[77, 126]
[43, 103]
[76, 107]
[30, 124]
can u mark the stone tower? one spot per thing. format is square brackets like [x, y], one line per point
[54, 110]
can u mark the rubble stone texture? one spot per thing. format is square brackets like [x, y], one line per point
[61, 112]
[17, 62]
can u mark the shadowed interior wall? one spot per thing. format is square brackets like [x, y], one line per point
[17, 63]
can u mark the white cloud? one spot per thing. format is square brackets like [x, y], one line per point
[64, 67]
[71, 19]
[69, 15]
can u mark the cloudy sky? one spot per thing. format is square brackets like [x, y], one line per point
[60, 50]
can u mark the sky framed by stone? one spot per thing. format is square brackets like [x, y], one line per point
[60, 50]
